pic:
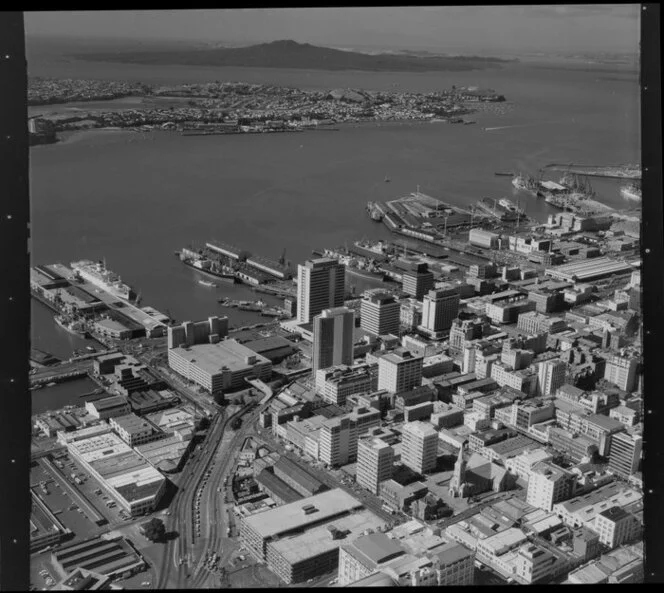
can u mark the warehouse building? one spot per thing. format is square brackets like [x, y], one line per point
[45, 528]
[297, 477]
[589, 270]
[257, 531]
[315, 552]
[276, 488]
[123, 473]
[219, 367]
[111, 558]
[108, 407]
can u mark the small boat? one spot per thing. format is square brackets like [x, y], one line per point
[504, 174]
[91, 349]
[207, 283]
[51, 384]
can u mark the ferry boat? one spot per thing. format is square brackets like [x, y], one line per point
[97, 274]
[76, 328]
[207, 283]
[631, 192]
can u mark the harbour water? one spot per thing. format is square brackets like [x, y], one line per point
[135, 198]
[62, 394]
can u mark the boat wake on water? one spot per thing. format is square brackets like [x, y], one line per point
[541, 123]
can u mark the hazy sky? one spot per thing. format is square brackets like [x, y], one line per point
[456, 28]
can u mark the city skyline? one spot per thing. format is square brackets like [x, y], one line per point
[310, 317]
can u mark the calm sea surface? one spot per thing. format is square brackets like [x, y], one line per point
[135, 198]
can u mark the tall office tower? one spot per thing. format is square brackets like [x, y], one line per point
[320, 285]
[419, 446]
[333, 338]
[337, 444]
[375, 461]
[621, 371]
[439, 309]
[380, 314]
[399, 371]
[625, 453]
[550, 376]
[417, 280]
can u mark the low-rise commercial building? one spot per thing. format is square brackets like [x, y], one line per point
[134, 430]
[108, 407]
[123, 473]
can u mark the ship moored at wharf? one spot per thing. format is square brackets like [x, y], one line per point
[75, 327]
[98, 275]
[195, 260]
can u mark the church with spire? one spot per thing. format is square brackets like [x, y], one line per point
[478, 475]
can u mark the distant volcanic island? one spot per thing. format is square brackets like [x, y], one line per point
[290, 54]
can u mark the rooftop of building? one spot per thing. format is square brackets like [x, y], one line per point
[268, 480]
[553, 473]
[504, 540]
[614, 514]
[603, 494]
[319, 539]
[109, 403]
[326, 505]
[164, 453]
[132, 423]
[215, 358]
[298, 473]
[419, 428]
[374, 549]
[104, 555]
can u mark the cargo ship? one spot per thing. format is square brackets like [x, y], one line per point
[76, 328]
[206, 266]
[96, 273]
[631, 192]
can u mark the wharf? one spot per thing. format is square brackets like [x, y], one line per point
[610, 171]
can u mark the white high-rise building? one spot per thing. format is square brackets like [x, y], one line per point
[375, 461]
[621, 371]
[549, 484]
[320, 285]
[333, 338]
[337, 443]
[399, 371]
[439, 309]
[419, 446]
[550, 376]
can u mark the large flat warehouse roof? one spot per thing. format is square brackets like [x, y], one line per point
[318, 540]
[211, 358]
[327, 505]
[589, 269]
